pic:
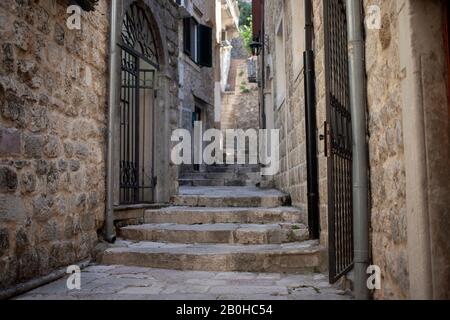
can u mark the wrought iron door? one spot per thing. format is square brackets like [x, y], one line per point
[139, 64]
[338, 141]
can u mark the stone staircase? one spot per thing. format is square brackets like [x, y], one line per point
[222, 175]
[222, 229]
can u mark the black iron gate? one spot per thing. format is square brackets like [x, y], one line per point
[338, 141]
[139, 63]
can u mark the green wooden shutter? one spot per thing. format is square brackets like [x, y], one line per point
[204, 55]
[187, 36]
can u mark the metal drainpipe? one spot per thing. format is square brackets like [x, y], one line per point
[357, 80]
[109, 232]
[311, 126]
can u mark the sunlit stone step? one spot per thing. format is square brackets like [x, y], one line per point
[217, 233]
[209, 215]
[295, 257]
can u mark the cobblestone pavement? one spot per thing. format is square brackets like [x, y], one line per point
[132, 283]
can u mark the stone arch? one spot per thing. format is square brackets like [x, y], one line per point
[154, 31]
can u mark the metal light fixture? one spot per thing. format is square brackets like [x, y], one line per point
[86, 5]
[256, 47]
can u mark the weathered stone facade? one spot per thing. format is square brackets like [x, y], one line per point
[53, 128]
[52, 136]
[289, 116]
[196, 82]
[386, 152]
[408, 130]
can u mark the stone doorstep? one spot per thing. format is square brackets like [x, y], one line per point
[285, 258]
[216, 182]
[233, 169]
[266, 201]
[220, 175]
[192, 215]
[201, 182]
[217, 233]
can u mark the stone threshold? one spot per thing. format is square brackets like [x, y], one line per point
[136, 213]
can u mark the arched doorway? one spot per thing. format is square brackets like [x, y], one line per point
[140, 63]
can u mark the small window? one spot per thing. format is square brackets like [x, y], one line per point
[197, 40]
[224, 36]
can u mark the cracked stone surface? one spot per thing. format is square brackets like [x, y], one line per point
[100, 282]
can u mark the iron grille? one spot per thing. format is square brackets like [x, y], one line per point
[340, 210]
[139, 63]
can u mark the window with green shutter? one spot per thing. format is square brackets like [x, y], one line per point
[197, 40]
[204, 55]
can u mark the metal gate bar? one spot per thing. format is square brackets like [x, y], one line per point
[135, 116]
[129, 158]
[340, 211]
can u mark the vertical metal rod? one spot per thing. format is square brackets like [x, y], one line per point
[109, 232]
[360, 149]
[311, 126]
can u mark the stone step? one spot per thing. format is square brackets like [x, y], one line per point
[192, 182]
[295, 257]
[208, 175]
[220, 175]
[203, 215]
[230, 197]
[230, 233]
[224, 168]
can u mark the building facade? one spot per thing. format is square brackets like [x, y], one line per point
[55, 85]
[196, 75]
[406, 64]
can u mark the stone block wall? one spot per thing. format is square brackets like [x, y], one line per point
[408, 127]
[398, 75]
[289, 118]
[386, 153]
[53, 99]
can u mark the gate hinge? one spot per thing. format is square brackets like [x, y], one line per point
[155, 181]
[155, 93]
[326, 137]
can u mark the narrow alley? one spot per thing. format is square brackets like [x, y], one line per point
[224, 150]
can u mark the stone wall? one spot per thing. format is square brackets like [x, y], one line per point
[52, 136]
[386, 153]
[409, 147]
[390, 90]
[289, 118]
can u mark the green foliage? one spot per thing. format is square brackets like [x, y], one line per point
[244, 90]
[247, 34]
[246, 23]
[246, 12]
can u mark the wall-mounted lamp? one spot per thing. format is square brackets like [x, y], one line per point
[257, 45]
[86, 5]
